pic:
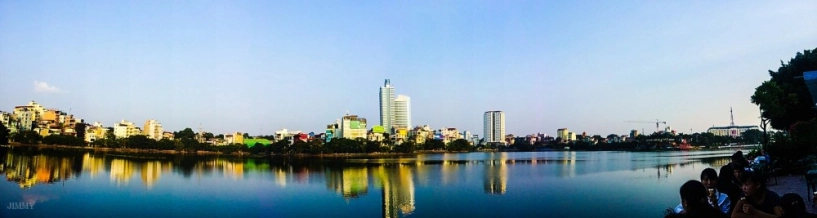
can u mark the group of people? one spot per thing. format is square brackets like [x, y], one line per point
[737, 192]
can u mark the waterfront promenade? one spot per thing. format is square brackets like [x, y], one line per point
[792, 184]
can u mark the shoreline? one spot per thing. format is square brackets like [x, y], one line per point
[215, 153]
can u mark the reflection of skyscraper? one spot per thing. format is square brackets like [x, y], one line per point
[121, 171]
[151, 171]
[397, 191]
[349, 182]
[496, 176]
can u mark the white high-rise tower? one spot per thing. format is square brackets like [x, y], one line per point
[494, 126]
[402, 112]
[387, 106]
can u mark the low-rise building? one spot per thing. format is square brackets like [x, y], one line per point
[125, 129]
[168, 135]
[352, 127]
[153, 129]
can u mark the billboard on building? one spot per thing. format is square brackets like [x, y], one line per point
[811, 84]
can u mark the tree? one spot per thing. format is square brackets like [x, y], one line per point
[141, 142]
[186, 133]
[459, 145]
[405, 147]
[281, 146]
[4, 134]
[785, 99]
[246, 135]
[79, 128]
[434, 144]
[209, 135]
[752, 136]
[26, 137]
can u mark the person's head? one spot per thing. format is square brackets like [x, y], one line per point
[738, 171]
[737, 157]
[709, 178]
[792, 204]
[693, 197]
[753, 183]
[725, 175]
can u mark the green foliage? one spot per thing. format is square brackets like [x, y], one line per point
[434, 145]
[63, 140]
[459, 145]
[187, 133]
[785, 99]
[405, 147]
[26, 137]
[4, 134]
[752, 136]
[208, 136]
[141, 142]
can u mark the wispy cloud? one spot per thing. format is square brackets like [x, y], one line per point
[43, 87]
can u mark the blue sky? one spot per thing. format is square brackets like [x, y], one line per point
[259, 66]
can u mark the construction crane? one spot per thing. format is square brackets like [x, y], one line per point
[656, 123]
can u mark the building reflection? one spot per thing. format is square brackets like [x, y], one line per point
[28, 171]
[397, 189]
[349, 182]
[568, 164]
[121, 171]
[93, 164]
[496, 175]
[151, 171]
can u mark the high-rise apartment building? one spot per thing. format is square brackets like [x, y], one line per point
[387, 106]
[153, 129]
[494, 126]
[402, 112]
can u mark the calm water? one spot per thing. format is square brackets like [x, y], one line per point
[557, 183]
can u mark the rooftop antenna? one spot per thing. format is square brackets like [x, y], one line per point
[732, 116]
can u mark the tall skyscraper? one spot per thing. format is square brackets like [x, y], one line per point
[402, 112]
[494, 126]
[387, 106]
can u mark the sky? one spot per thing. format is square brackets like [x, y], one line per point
[261, 66]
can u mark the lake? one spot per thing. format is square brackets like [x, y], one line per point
[72, 183]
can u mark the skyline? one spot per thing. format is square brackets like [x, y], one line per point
[248, 66]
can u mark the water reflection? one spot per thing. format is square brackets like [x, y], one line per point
[29, 170]
[396, 178]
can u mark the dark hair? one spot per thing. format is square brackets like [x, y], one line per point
[709, 173]
[695, 195]
[792, 205]
[737, 157]
[754, 177]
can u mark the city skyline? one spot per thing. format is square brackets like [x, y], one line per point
[255, 66]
